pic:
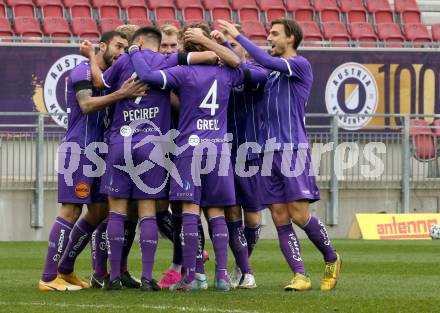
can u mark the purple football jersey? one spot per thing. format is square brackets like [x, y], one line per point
[83, 128]
[204, 92]
[285, 99]
[154, 106]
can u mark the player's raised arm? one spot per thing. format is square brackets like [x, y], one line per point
[258, 54]
[87, 50]
[143, 69]
[228, 57]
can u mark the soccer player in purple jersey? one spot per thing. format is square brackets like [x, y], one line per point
[203, 92]
[244, 123]
[290, 194]
[86, 118]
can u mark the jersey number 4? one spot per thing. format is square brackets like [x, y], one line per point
[210, 101]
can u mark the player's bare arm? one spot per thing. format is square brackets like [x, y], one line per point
[228, 57]
[87, 50]
[130, 89]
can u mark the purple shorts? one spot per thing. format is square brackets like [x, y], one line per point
[151, 184]
[214, 189]
[248, 189]
[82, 189]
[280, 186]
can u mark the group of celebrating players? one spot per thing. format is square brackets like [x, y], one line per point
[160, 106]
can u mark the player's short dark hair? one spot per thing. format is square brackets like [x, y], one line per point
[291, 28]
[108, 36]
[148, 32]
[189, 46]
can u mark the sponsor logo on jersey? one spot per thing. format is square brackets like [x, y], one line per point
[82, 190]
[125, 131]
[193, 140]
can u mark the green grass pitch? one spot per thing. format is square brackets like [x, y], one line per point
[377, 276]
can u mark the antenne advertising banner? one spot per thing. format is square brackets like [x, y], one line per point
[33, 79]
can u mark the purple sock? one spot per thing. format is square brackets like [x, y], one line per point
[99, 250]
[189, 244]
[252, 235]
[115, 242]
[78, 240]
[165, 223]
[148, 241]
[220, 243]
[58, 238]
[291, 248]
[238, 244]
[177, 246]
[317, 233]
[200, 265]
[129, 234]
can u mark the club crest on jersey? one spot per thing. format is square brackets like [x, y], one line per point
[54, 77]
[82, 190]
[352, 89]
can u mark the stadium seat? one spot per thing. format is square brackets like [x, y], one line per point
[363, 32]
[56, 27]
[78, 8]
[195, 21]
[191, 9]
[84, 27]
[416, 33]
[215, 25]
[311, 32]
[22, 7]
[2, 9]
[408, 11]
[423, 140]
[136, 9]
[328, 10]
[5, 29]
[300, 9]
[51, 8]
[435, 30]
[272, 9]
[254, 30]
[174, 22]
[108, 24]
[335, 31]
[27, 27]
[390, 32]
[381, 11]
[354, 10]
[247, 10]
[140, 21]
[436, 129]
[218, 9]
[163, 9]
[107, 8]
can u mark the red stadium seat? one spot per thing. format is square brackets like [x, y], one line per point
[301, 10]
[2, 9]
[423, 140]
[247, 9]
[381, 11]
[140, 22]
[408, 11]
[163, 9]
[107, 8]
[219, 9]
[79, 8]
[436, 128]
[363, 32]
[311, 32]
[215, 25]
[27, 27]
[108, 24]
[195, 21]
[56, 27]
[84, 27]
[273, 9]
[51, 8]
[328, 10]
[5, 29]
[435, 30]
[390, 32]
[174, 22]
[254, 30]
[335, 31]
[354, 10]
[22, 7]
[136, 9]
[191, 9]
[416, 33]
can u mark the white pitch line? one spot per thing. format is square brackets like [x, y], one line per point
[140, 306]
